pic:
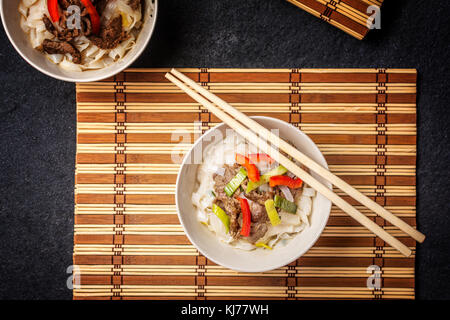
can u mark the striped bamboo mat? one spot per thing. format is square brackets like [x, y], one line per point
[128, 241]
[351, 16]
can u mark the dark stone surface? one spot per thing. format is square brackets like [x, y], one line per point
[37, 120]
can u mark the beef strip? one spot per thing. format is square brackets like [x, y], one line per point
[111, 34]
[64, 4]
[55, 47]
[86, 26]
[258, 211]
[259, 197]
[232, 207]
[49, 25]
[257, 231]
[259, 226]
[63, 32]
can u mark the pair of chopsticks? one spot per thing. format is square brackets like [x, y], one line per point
[259, 136]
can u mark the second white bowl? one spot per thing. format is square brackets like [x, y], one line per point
[19, 39]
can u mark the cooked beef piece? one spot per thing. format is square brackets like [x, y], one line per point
[230, 171]
[134, 4]
[64, 33]
[258, 211]
[54, 47]
[49, 25]
[64, 4]
[231, 205]
[256, 195]
[86, 26]
[296, 193]
[67, 3]
[259, 197]
[111, 34]
[257, 231]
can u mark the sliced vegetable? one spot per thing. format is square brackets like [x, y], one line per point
[235, 183]
[287, 193]
[265, 178]
[260, 157]
[285, 181]
[285, 204]
[53, 10]
[246, 217]
[93, 14]
[253, 172]
[272, 212]
[213, 194]
[222, 216]
[262, 245]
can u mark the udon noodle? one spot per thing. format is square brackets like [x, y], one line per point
[32, 20]
[219, 168]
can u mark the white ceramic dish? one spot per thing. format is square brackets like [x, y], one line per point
[19, 39]
[257, 260]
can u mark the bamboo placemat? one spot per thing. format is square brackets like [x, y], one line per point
[128, 241]
[350, 16]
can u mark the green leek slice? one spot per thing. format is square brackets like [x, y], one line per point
[222, 216]
[272, 212]
[285, 204]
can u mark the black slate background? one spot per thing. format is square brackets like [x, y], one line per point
[37, 120]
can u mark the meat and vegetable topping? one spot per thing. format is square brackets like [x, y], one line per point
[247, 202]
[104, 34]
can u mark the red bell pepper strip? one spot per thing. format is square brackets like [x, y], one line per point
[285, 181]
[246, 217]
[93, 14]
[53, 10]
[252, 170]
[260, 157]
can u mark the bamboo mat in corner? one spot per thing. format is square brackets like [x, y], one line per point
[351, 16]
[128, 243]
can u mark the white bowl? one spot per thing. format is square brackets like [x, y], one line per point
[19, 39]
[258, 260]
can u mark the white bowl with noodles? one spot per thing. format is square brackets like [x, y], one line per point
[19, 39]
[259, 260]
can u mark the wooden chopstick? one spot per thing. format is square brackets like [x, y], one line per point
[305, 160]
[291, 166]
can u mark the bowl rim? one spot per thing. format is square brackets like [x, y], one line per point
[276, 265]
[91, 79]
